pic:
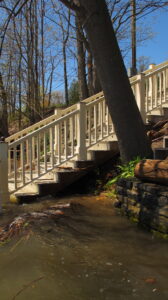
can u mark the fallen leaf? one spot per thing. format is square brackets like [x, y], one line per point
[150, 280]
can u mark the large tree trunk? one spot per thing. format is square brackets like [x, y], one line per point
[96, 82]
[127, 121]
[90, 72]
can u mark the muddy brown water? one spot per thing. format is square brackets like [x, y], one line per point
[91, 253]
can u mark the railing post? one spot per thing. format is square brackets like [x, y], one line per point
[140, 95]
[4, 194]
[81, 131]
[58, 113]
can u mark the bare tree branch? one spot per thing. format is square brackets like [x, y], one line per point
[74, 5]
[12, 13]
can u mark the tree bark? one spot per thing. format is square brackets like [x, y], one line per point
[42, 56]
[65, 74]
[133, 37]
[83, 89]
[112, 73]
[4, 112]
[96, 82]
[90, 73]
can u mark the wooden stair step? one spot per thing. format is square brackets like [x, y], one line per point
[160, 153]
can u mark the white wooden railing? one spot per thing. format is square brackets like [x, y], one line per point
[69, 133]
[37, 153]
[151, 89]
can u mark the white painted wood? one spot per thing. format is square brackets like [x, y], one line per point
[38, 154]
[52, 146]
[22, 154]
[4, 195]
[65, 140]
[15, 166]
[31, 161]
[72, 122]
[59, 143]
[82, 153]
[45, 151]
[95, 122]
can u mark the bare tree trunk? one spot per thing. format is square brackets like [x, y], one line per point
[28, 50]
[42, 55]
[83, 89]
[133, 37]
[36, 66]
[20, 93]
[65, 37]
[127, 120]
[65, 74]
[51, 81]
[4, 112]
[20, 80]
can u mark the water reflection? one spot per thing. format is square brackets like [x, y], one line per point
[91, 253]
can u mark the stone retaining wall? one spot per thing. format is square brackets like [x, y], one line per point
[145, 203]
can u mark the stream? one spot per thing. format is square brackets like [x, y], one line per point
[91, 253]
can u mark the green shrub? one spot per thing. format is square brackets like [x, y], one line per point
[125, 171]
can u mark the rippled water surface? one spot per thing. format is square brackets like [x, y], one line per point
[91, 253]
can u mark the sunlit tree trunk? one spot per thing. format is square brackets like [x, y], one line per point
[123, 109]
[83, 89]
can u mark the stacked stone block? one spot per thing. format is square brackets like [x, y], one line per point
[146, 203]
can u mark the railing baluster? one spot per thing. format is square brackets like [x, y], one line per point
[89, 126]
[59, 142]
[81, 130]
[160, 87]
[152, 89]
[72, 136]
[65, 140]
[155, 90]
[38, 154]
[101, 120]
[22, 156]
[95, 121]
[9, 161]
[52, 146]
[164, 85]
[27, 152]
[30, 156]
[102, 117]
[45, 152]
[33, 149]
[15, 166]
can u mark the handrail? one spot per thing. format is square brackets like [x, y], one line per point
[44, 128]
[40, 124]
